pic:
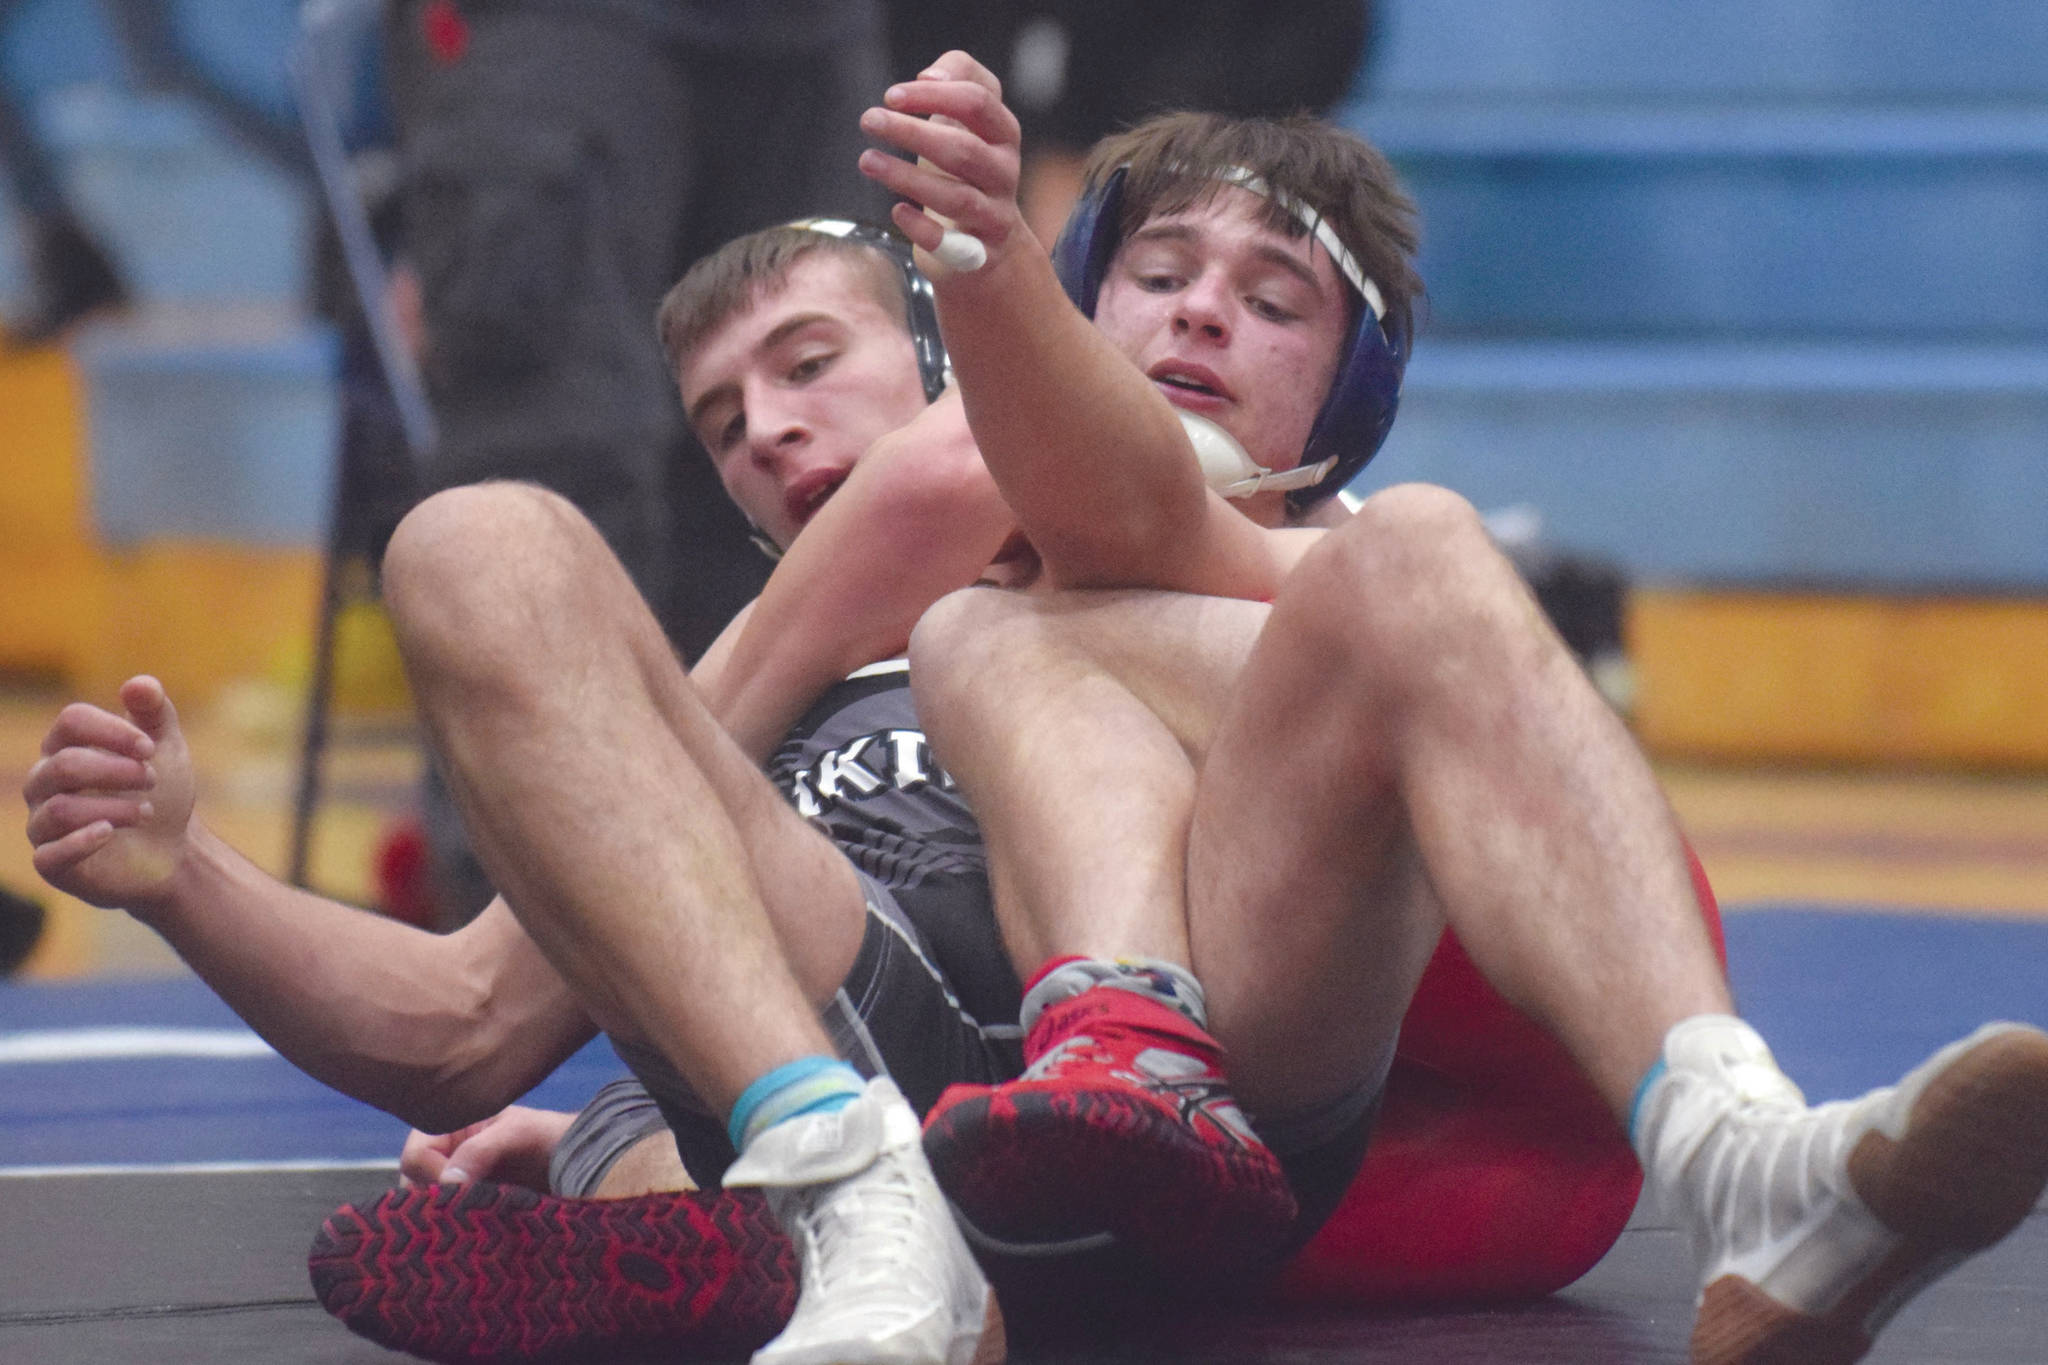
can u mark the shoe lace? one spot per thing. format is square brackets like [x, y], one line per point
[871, 1232]
[1774, 1162]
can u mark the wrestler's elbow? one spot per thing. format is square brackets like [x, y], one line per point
[1136, 548]
[479, 1046]
[470, 1080]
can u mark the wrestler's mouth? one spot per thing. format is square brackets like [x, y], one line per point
[1181, 378]
[811, 491]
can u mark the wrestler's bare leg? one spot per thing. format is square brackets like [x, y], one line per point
[1411, 735]
[664, 877]
[1400, 741]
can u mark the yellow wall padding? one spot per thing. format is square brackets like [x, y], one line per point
[1842, 678]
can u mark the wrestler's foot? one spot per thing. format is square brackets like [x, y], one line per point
[1121, 1128]
[886, 1276]
[496, 1272]
[1814, 1226]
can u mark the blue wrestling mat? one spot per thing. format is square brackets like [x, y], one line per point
[160, 1072]
[1849, 1000]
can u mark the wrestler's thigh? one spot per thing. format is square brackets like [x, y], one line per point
[1177, 653]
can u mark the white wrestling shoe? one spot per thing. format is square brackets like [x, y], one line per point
[886, 1276]
[1813, 1226]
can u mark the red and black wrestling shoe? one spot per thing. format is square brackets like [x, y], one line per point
[481, 1272]
[1121, 1129]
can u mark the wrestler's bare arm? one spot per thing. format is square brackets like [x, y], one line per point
[436, 1029]
[918, 517]
[1090, 456]
[443, 1029]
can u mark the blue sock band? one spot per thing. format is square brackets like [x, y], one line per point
[808, 1085]
[1635, 1106]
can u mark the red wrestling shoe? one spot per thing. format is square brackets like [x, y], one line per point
[1121, 1128]
[482, 1272]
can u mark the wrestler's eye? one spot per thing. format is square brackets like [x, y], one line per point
[1269, 310]
[1159, 282]
[730, 434]
[811, 366]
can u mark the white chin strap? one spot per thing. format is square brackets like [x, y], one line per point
[1231, 472]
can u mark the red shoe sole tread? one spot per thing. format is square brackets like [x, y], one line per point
[497, 1272]
[1035, 1167]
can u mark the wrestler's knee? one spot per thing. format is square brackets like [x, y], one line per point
[956, 644]
[1413, 571]
[962, 630]
[1407, 532]
[472, 562]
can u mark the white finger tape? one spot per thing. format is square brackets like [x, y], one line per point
[961, 251]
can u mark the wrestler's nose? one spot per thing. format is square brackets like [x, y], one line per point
[776, 430]
[1203, 308]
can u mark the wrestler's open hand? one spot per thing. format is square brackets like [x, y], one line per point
[110, 800]
[968, 145]
[512, 1147]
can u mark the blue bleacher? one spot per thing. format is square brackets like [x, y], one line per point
[1752, 290]
[211, 407]
[1888, 52]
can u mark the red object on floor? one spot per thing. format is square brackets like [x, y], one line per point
[405, 889]
[1496, 1171]
[446, 31]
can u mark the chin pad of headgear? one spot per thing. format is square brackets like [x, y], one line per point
[1230, 470]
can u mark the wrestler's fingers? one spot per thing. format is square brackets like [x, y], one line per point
[508, 1153]
[82, 723]
[959, 153]
[80, 769]
[51, 860]
[423, 1157]
[919, 227]
[941, 193]
[149, 706]
[957, 104]
[61, 814]
[956, 65]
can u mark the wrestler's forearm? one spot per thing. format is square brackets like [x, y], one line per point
[918, 518]
[436, 1029]
[1090, 456]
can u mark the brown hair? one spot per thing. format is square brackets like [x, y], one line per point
[733, 278]
[1176, 161]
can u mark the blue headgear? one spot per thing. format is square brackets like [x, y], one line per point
[1359, 409]
[932, 366]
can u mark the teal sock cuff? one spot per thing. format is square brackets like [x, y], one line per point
[807, 1085]
[1635, 1106]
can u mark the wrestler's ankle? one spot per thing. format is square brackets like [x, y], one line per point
[1160, 980]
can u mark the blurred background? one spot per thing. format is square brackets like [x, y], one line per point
[1738, 326]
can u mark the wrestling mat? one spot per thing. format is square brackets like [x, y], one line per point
[162, 1173]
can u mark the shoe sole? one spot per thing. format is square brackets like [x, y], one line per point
[495, 1272]
[1970, 1167]
[1028, 1170]
[990, 1346]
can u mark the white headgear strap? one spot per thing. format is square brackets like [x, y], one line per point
[1318, 227]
